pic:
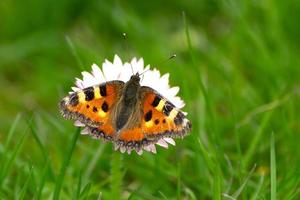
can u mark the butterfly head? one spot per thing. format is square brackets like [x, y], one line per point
[135, 78]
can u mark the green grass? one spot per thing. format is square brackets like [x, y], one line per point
[60, 178]
[237, 66]
[273, 169]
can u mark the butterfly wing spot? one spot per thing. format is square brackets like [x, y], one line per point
[147, 119]
[148, 116]
[104, 106]
[155, 101]
[167, 108]
[103, 91]
[89, 93]
[179, 118]
[95, 109]
[156, 121]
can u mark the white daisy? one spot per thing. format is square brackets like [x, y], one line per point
[117, 70]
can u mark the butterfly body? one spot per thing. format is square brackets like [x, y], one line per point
[128, 114]
[128, 102]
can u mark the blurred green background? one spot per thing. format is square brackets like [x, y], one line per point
[238, 70]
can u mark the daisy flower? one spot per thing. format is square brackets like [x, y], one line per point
[117, 70]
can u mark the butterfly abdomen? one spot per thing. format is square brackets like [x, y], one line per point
[128, 102]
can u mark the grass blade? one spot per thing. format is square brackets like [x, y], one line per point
[217, 186]
[259, 187]
[9, 137]
[43, 180]
[273, 168]
[242, 187]
[201, 84]
[8, 164]
[116, 175]
[214, 169]
[12, 130]
[38, 141]
[77, 194]
[65, 164]
[189, 192]
[137, 194]
[253, 146]
[100, 196]
[178, 181]
[85, 191]
[24, 189]
[92, 164]
[74, 52]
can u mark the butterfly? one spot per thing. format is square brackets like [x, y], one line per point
[128, 114]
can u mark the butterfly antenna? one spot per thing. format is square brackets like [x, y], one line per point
[127, 50]
[170, 58]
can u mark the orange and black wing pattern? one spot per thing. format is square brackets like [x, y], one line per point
[160, 119]
[92, 106]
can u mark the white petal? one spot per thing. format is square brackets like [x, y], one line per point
[117, 67]
[85, 131]
[170, 140]
[122, 149]
[129, 151]
[116, 147]
[78, 123]
[107, 68]
[88, 79]
[152, 148]
[117, 61]
[139, 66]
[164, 80]
[173, 91]
[139, 152]
[178, 102]
[162, 143]
[79, 83]
[75, 89]
[97, 73]
[147, 148]
[126, 72]
[133, 64]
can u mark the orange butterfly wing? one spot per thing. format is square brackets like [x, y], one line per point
[160, 119]
[92, 106]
